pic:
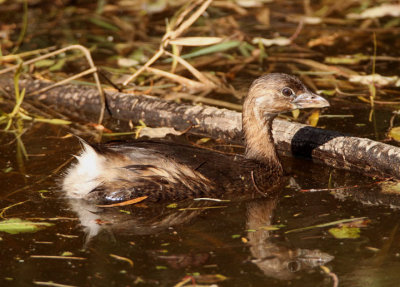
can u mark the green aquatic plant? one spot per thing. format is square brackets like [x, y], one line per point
[15, 118]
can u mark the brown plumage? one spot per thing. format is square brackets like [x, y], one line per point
[118, 172]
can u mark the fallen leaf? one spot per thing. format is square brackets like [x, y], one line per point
[375, 79]
[127, 62]
[345, 232]
[313, 118]
[394, 133]
[327, 40]
[279, 41]
[262, 16]
[17, 225]
[295, 113]
[377, 12]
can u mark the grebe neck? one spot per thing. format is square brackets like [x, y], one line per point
[259, 139]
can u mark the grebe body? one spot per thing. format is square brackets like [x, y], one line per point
[165, 171]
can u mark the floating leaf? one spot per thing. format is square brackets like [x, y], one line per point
[345, 232]
[17, 225]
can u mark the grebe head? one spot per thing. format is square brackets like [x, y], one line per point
[275, 93]
[268, 96]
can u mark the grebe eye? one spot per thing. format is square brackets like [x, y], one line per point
[287, 92]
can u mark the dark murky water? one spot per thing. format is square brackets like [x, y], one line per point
[246, 240]
[166, 244]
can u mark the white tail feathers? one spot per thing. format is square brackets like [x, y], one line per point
[83, 176]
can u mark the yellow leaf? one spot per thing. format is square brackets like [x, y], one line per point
[295, 114]
[395, 133]
[313, 118]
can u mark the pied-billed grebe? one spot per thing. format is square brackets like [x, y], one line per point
[158, 170]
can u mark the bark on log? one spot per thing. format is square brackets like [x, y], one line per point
[329, 147]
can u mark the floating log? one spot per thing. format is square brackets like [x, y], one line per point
[328, 147]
